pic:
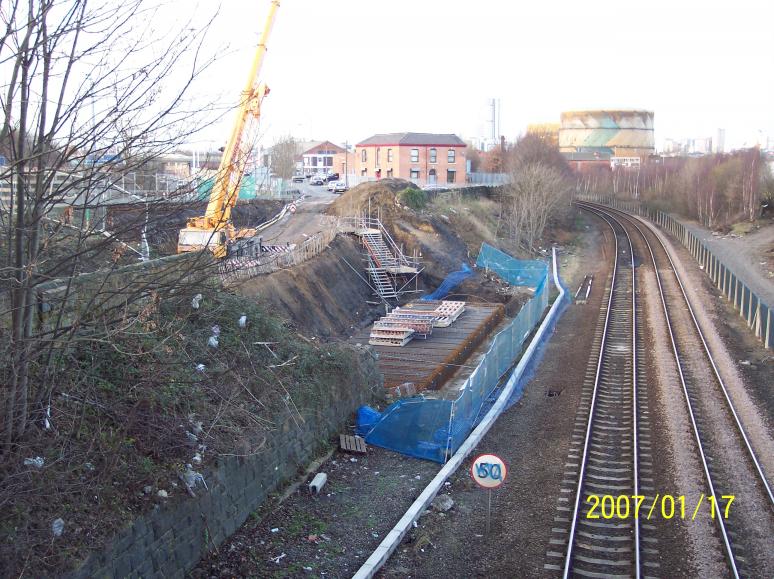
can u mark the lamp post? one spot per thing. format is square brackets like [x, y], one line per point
[346, 167]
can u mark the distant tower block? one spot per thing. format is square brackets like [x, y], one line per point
[720, 144]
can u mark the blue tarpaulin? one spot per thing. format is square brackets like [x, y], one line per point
[452, 280]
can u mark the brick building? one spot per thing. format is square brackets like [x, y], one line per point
[317, 157]
[425, 158]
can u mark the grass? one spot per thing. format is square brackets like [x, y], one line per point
[742, 228]
[302, 524]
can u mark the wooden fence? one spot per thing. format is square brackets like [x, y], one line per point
[234, 270]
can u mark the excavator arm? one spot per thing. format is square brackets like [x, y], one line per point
[214, 229]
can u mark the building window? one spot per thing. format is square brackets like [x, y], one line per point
[450, 175]
[328, 161]
[415, 155]
[314, 161]
[363, 155]
[450, 156]
[432, 178]
[433, 155]
[378, 154]
[414, 173]
[389, 155]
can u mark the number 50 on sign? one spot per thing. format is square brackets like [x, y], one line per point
[488, 470]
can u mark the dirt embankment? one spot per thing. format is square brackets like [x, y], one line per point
[326, 296]
[446, 233]
[329, 296]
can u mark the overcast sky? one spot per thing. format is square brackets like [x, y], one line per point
[345, 69]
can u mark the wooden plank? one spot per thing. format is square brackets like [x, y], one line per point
[351, 443]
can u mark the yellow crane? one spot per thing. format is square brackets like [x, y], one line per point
[214, 230]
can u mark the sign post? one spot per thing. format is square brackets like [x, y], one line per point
[489, 472]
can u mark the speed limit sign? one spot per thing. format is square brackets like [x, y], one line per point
[489, 471]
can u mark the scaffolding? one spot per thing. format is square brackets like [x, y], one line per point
[392, 273]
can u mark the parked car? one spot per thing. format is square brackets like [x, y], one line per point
[340, 187]
[331, 185]
[298, 179]
[317, 180]
[333, 177]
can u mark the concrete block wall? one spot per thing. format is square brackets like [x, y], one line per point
[171, 539]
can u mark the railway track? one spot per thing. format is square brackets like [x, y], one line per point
[609, 441]
[729, 464]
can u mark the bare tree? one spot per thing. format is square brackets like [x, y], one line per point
[86, 98]
[535, 193]
[283, 156]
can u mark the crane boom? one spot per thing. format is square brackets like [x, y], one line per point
[214, 229]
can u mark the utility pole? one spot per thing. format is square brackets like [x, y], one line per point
[346, 166]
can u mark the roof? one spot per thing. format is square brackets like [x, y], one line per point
[309, 145]
[413, 139]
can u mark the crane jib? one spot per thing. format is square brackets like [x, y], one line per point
[200, 232]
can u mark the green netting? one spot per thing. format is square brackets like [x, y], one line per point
[247, 187]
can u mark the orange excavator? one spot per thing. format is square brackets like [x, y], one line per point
[214, 230]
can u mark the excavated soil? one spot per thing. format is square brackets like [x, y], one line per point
[166, 219]
[443, 243]
[325, 297]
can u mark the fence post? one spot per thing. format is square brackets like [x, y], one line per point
[757, 318]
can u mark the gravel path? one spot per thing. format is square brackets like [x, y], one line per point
[744, 256]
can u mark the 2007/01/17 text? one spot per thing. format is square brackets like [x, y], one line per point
[664, 506]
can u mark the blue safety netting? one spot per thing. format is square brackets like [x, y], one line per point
[451, 281]
[528, 272]
[434, 428]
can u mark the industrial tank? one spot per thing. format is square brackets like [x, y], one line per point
[619, 133]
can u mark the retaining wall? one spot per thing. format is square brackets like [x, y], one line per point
[756, 313]
[170, 540]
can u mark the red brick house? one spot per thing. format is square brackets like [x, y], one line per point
[425, 158]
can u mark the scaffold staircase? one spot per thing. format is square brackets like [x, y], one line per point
[387, 267]
[378, 251]
[381, 280]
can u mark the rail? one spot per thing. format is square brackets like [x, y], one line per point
[758, 314]
[609, 403]
[692, 392]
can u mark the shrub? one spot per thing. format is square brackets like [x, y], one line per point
[414, 198]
